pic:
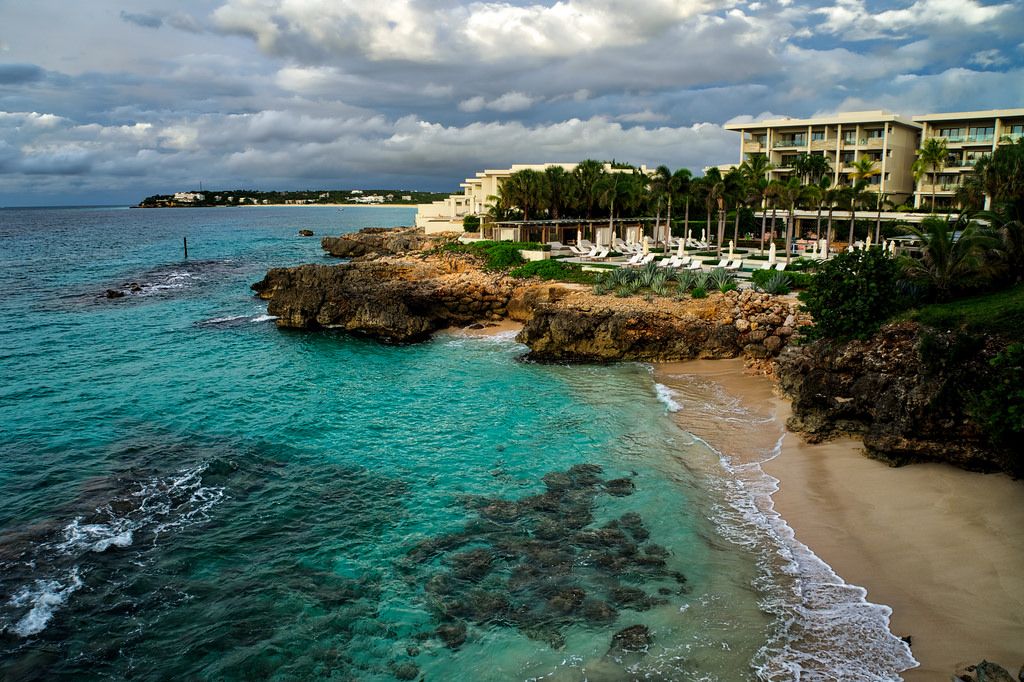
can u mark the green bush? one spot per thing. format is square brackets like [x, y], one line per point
[471, 223]
[553, 270]
[496, 255]
[853, 294]
[699, 292]
[1000, 407]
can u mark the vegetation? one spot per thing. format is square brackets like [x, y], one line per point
[471, 223]
[771, 281]
[496, 255]
[853, 294]
[999, 408]
[554, 270]
[1000, 312]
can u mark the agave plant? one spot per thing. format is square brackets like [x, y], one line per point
[778, 283]
[685, 280]
[646, 275]
[659, 283]
[721, 279]
[700, 281]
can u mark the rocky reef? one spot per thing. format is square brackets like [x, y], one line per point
[540, 564]
[583, 327]
[905, 391]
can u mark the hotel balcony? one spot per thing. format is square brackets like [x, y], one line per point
[781, 144]
[822, 145]
[753, 147]
[873, 142]
[979, 139]
[943, 188]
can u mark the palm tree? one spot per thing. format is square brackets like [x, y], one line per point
[526, 190]
[771, 194]
[789, 194]
[659, 191]
[863, 168]
[561, 190]
[951, 256]
[617, 187]
[678, 184]
[811, 167]
[816, 192]
[931, 157]
[756, 170]
[833, 195]
[736, 193]
[588, 175]
[713, 192]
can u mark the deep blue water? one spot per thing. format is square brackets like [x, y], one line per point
[190, 493]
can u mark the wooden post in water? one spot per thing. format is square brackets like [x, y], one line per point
[186, 246]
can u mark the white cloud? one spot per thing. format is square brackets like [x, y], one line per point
[508, 102]
[854, 21]
[987, 58]
[645, 116]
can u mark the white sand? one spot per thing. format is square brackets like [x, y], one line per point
[941, 546]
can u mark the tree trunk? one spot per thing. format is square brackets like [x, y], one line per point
[817, 223]
[878, 220]
[611, 222]
[764, 224]
[853, 219]
[721, 231]
[831, 232]
[668, 220]
[934, 176]
[789, 236]
[686, 220]
[736, 228]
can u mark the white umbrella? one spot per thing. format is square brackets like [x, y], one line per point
[730, 249]
[689, 234]
[579, 235]
[867, 244]
[824, 248]
[682, 248]
[704, 235]
[771, 254]
[647, 246]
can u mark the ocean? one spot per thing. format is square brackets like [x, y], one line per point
[189, 492]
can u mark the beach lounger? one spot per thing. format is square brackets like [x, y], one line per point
[694, 265]
[635, 259]
[644, 260]
[767, 265]
[735, 265]
[599, 253]
[722, 263]
[780, 266]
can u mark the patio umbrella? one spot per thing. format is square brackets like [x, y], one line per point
[647, 246]
[771, 254]
[867, 244]
[704, 235]
[824, 248]
[579, 235]
[682, 248]
[730, 250]
[689, 234]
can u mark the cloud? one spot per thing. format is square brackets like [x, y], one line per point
[854, 21]
[987, 58]
[16, 74]
[508, 102]
[645, 116]
[143, 20]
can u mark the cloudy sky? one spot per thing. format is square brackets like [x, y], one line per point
[106, 102]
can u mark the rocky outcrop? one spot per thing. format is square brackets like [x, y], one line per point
[582, 327]
[382, 241]
[905, 391]
[392, 300]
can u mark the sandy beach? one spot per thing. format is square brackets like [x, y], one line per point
[942, 547]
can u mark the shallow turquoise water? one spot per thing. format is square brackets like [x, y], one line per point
[191, 493]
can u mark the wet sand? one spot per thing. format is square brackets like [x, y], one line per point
[944, 548]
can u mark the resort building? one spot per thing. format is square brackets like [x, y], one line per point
[477, 196]
[969, 135]
[889, 140]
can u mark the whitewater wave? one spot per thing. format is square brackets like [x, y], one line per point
[236, 320]
[153, 508]
[826, 628]
[667, 397]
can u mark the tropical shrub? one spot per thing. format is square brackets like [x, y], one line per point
[471, 223]
[852, 294]
[1000, 407]
[772, 282]
[699, 292]
[553, 270]
[722, 279]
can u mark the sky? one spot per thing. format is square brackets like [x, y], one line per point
[105, 102]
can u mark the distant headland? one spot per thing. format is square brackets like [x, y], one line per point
[245, 197]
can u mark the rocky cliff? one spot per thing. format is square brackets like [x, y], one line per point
[905, 391]
[393, 300]
[380, 241]
[582, 327]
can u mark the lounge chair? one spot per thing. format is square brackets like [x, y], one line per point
[636, 258]
[694, 265]
[780, 266]
[722, 263]
[672, 262]
[767, 265]
[735, 265]
[599, 253]
[644, 260]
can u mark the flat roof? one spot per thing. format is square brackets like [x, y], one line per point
[878, 116]
[959, 115]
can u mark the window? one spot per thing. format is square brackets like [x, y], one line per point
[876, 133]
[817, 135]
[981, 134]
[1017, 129]
[952, 134]
[761, 139]
[850, 137]
[846, 157]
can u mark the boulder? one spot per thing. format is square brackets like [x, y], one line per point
[635, 638]
[305, 233]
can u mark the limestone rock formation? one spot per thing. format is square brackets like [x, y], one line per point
[382, 241]
[908, 405]
[397, 301]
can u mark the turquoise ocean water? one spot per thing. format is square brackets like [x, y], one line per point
[190, 493]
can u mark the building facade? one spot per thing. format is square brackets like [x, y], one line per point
[969, 136]
[889, 140]
[476, 197]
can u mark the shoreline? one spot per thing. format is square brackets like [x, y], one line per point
[939, 546]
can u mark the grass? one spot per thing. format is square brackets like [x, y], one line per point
[555, 271]
[1001, 312]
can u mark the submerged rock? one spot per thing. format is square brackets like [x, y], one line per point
[635, 638]
[305, 233]
[452, 634]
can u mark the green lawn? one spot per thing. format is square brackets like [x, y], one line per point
[1000, 313]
